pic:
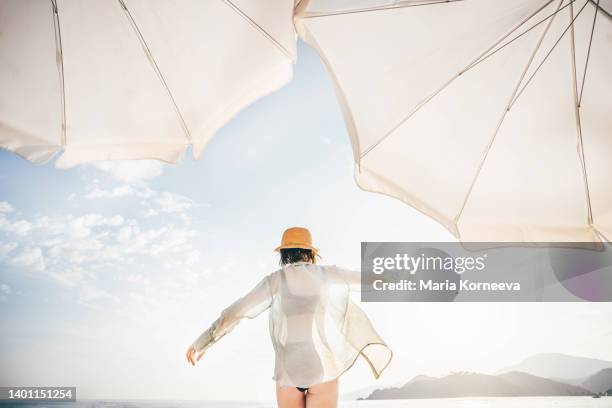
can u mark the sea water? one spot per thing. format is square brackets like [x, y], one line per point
[518, 402]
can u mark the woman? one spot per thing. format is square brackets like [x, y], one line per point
[316, 329]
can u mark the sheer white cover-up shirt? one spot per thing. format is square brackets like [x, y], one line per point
[316, 329]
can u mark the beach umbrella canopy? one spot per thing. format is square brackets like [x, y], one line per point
[133, 79]
[494, 118]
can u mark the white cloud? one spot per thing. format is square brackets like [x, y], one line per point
[131, 171]
[69, 277]
[83, 252]
[72, 249]
[151, 212]
[173, 240]
[30, 257]
[186, 218]
[6, 248]
[82, 227]
[136, 240]
[50, 224]
[156, 202]
[88, 253]
[173, 203]
[4, 288]
[89, 293]
[6, 207]
[139, 279]
[192, 257]
[145, 192]
[124, 235]
[21, 227]
[121, 191]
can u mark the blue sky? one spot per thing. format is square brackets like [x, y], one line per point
[110, 270]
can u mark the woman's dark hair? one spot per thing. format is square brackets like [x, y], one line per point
[292, 255]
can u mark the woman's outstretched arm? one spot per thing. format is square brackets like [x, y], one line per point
[249, 306]
[353, 279]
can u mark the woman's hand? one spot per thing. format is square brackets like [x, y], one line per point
[191, 355]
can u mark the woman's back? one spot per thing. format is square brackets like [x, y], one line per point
[300, 303]
[316, 330]
[301, 286]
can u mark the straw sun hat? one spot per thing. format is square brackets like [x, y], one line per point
[296, 237]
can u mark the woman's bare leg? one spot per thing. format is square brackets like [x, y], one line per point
[289, 397]
[324, 395]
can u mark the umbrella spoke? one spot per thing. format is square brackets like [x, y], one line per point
[156, 68]
[570, 25]
[401, 4]
[504, 114]
[60, 66]
[586, 63]
[552, 15]
[579, 125]
[259, 28]
[604, 9]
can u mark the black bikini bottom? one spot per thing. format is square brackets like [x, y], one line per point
[302, 389]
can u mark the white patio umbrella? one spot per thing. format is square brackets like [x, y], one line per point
[133, 79]
[492, 117]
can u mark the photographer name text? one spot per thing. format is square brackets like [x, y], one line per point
[445, 286]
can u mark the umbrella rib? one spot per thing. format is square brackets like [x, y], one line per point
[521, 35]
[60, 66]
[603, 10]
[453, 78]
[578, 120]
[402, 4]
[571, 24]
[156, 68]
[504, 114]
[586, 63]
[259, 28]
[602, 234]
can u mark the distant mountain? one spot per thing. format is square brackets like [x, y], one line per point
[538, 386]
[511, 384]
[600, 382]
[421, 378]
[560, 366]
[359, 393]
[364, 392]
